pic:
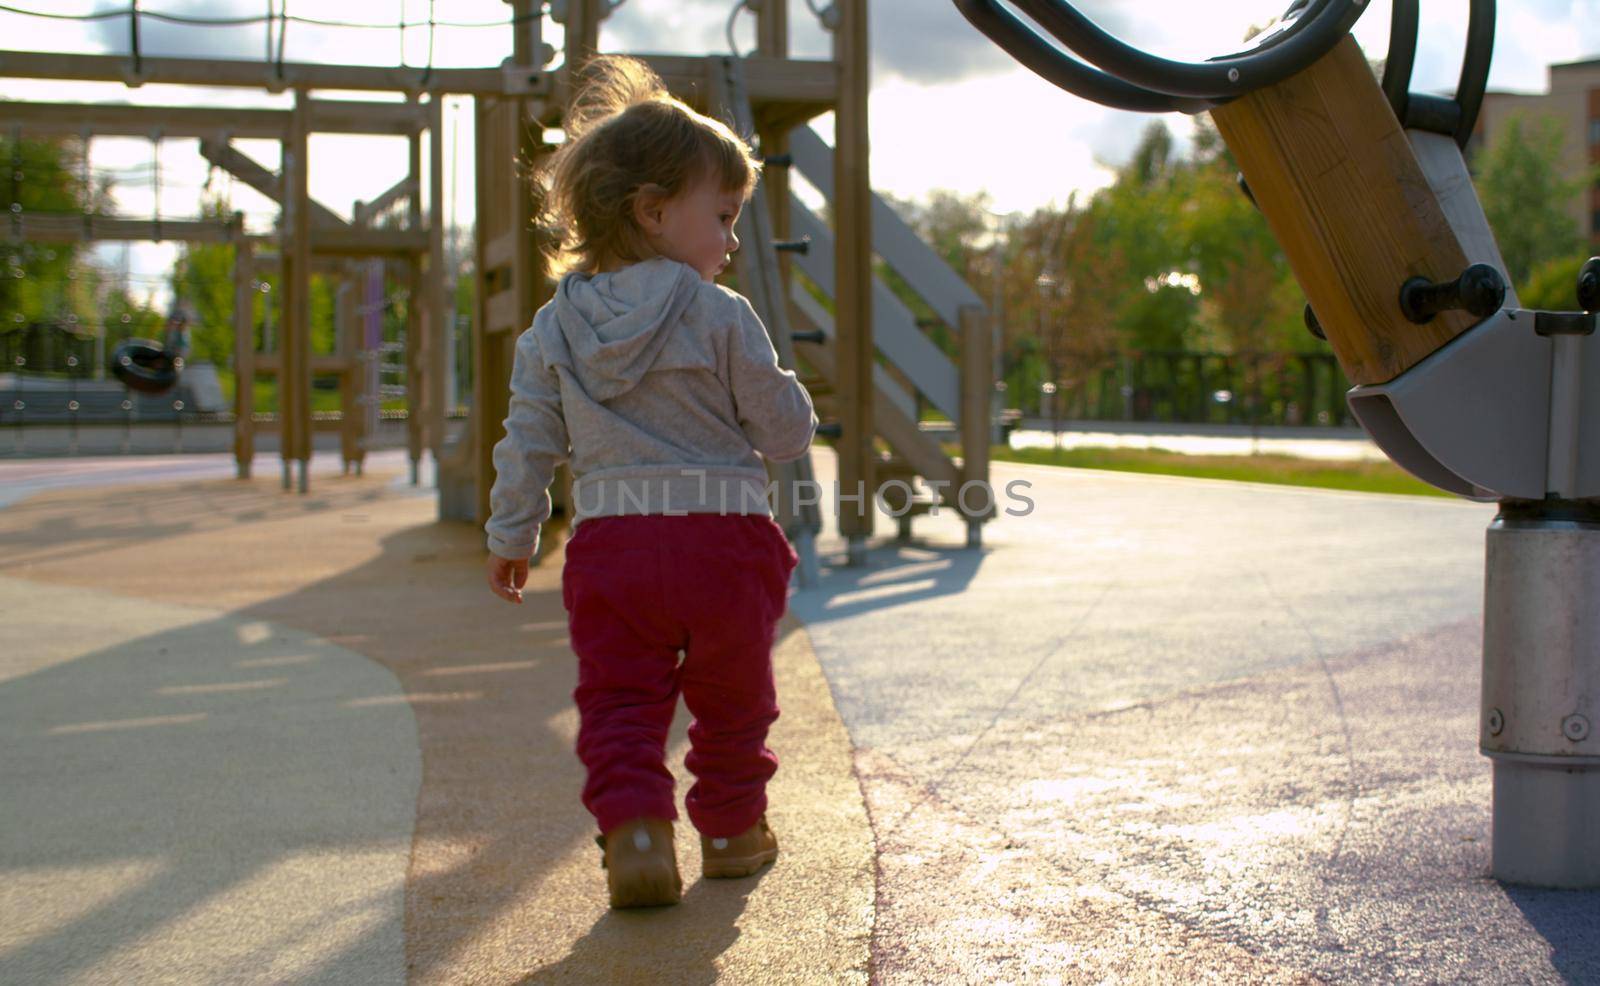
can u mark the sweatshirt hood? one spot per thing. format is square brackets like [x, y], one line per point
[608, 329]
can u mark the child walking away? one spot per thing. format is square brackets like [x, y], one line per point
[664, 392]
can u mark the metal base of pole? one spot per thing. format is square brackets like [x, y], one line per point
[1546, 824]
[809, 569]
[1541, 692]
[855, 551]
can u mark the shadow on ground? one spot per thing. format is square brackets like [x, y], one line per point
[215, 787]
[1567, 920]
[895, 573]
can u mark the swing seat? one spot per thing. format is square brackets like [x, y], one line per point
[142, 365]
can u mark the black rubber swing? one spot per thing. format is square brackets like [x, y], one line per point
[143, 365]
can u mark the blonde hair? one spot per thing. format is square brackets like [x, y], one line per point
[626, 134]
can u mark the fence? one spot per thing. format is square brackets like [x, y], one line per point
[1197, 388]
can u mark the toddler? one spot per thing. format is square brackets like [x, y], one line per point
[661, 388]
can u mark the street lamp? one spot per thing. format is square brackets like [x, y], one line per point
[1047, 391]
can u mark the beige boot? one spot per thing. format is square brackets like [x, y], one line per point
[740, 855]
[640, 863]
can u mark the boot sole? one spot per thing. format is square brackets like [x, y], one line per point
[648, 890]
[728, 869]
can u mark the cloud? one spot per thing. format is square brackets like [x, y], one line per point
[164, 38]
[930, 43]
[924, 41]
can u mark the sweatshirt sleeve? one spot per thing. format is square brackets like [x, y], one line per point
[773, 408]
[525, 460]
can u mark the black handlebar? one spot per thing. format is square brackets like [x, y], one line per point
[1135, 80]
[1033, 52]
[1120, 76]
[1453, 117]
[1320, 26]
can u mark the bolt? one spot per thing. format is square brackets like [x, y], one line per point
[1575, 728]
[1497, 722]
[1233, 75]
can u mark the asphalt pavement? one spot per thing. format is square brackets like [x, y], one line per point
[1154, 730]
[1164, 729]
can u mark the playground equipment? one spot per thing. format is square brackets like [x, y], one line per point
[868, 363]
[390, 229]
[1366, 190]
[145, 366]
[863, 362]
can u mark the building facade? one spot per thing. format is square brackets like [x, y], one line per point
[1574, 99]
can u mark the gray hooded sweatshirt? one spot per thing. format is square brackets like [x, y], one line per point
[660, 389]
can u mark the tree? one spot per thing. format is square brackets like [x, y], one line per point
[1250, 301]
[1525, 191]
[202, 279]
[39, 281]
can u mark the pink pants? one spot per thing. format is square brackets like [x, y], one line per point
[640, 590]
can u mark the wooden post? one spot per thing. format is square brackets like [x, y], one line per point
[977, 384]
[1333, 173]
[416, 400]
[852, 210]
[294, 379]
[582, 39]
[772, 38]
[440, 298]
[244, 356]
[490, 359]
[347, 327]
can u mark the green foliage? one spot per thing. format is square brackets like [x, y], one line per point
[40, 282]
[1553, 285]
[202, 278]
[1171, 256]
[1525, 189]
[1366, 477]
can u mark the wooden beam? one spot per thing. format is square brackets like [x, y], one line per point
[440, 301]
[365, 116]
[772, 41]
[852, 209]
[215, 122]
[294, 387]
[977, 391]
[119, 120]
[354, 241]
[1337, 181]
[364, 211]
[261, 75]
[807, 87]
[414, 307]
[503, 312]
[244, 357]
[250, 171]
[68, 227]
[501, 250]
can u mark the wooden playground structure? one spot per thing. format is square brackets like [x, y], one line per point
[870, 367]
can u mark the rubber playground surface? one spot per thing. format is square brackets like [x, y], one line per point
[1154, 730]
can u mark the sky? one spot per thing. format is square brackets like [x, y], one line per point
[948, 108]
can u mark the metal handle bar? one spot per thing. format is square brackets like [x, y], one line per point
[1419, 111]
[1034, 53]
[1322, 25]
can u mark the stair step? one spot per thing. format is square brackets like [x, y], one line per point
[894, 466]
[817, 386]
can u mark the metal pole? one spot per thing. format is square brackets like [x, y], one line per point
[1541, 692]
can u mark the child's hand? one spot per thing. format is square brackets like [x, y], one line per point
[507, 577]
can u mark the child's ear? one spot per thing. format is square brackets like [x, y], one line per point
[647, 208]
